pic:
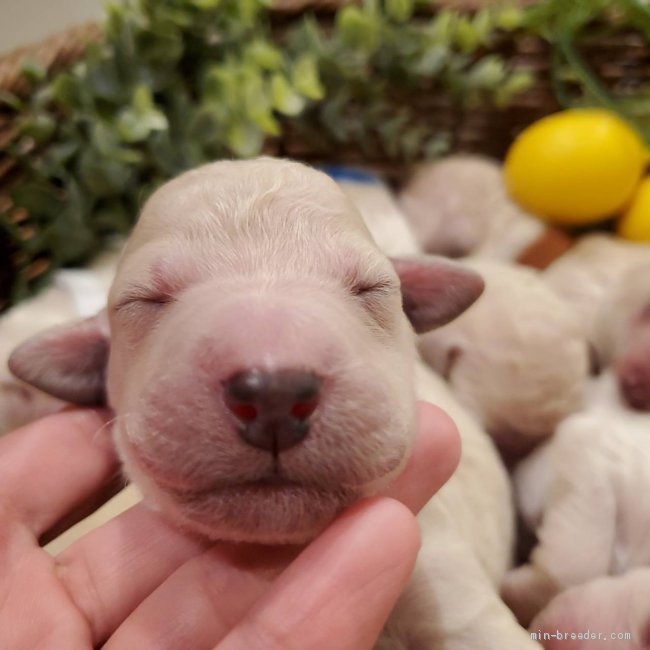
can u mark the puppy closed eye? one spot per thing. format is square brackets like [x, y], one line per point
[141, 301]
[374, 289]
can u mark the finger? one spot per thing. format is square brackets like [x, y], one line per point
[204, 599]
[109, 571]
[343, 586]
[433, 461]
[52, 466]
[206, 596]
[80, 512]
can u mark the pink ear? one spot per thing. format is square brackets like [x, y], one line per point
[68, 362]
[436, 290]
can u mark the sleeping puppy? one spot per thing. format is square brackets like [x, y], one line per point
[261, 369]
[517, 359]
[581, 493]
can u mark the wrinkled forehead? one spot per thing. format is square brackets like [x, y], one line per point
[250, 213]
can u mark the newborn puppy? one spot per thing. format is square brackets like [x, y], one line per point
[517, 358]
[611, 613]
[459, 206]
[73, 293]
[602, 279]
[623, 334]
[255, 352]
[582, 494]
[264, 376]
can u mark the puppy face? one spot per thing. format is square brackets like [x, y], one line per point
[260, 360]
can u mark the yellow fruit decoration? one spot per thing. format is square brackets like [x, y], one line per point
[635, 223]
[575, 167]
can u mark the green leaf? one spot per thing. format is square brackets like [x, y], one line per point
[39, 197]
[305, 77]
[400, 10]
[516, 83]
[285, 99]
[40, 127]
[68, 91]
[509, 18]
[135, 123]
[205, 5]
[9, 99]
[357, 28]
[103, 176]
[488, 72]
[467, 36]
[245, 140]
[265, 55]
[258, 105]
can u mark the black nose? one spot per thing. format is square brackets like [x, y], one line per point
[272, 407]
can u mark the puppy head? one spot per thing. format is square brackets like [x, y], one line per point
[255, 351]
[517, 358]
[623, 335]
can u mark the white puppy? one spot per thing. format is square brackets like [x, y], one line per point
[517, 358]
[582, 494]
[262, 373]
[71, 294]
[459, 206]
[605, 280]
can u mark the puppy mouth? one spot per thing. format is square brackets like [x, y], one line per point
[265, 485]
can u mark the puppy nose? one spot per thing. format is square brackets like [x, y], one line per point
[635, 385]
[272, 408]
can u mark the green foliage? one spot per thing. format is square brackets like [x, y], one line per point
[568, 26]
[177, 83]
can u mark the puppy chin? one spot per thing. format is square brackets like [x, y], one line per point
[258, 514]
[270, 516]
[253, 512]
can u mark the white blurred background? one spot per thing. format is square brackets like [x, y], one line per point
[23, 22]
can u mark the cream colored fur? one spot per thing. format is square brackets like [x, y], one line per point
[517, 358]
[582, 492]
[459, 206]
[587, 277]
[71, 294]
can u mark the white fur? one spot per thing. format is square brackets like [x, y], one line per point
[459, 206]
[583, 494]
[71, 294]
[517, 358]
[383, 216]
[587, 276]
[452, 600]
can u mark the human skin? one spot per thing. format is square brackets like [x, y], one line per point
[137, 581]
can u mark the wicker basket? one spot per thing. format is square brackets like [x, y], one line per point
[623, 59]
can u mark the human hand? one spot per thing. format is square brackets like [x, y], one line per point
[139, 582]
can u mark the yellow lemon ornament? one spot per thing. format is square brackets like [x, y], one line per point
[575, 167]
[635, 223]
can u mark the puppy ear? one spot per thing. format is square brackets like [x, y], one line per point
[68, 362]
[436, 290]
